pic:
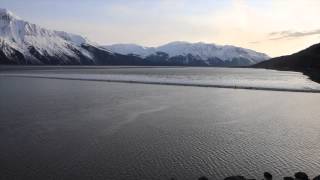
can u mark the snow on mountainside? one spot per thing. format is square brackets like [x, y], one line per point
[131, 49]
[201, 51]
[37, 44]
[22, 42]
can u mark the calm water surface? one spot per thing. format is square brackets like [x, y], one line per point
[77, 129]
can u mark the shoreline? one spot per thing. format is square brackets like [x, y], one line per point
[266, 176]
[167, 83]
[312, 73]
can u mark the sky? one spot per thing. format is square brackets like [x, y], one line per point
[274, 27]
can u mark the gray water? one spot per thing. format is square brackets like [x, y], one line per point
[243, 78]
[82, 129]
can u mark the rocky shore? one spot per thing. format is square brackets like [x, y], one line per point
[267, 176]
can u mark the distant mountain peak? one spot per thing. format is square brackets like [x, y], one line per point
[6, 14]
[17, 30]
[37, 45]
[208, 53]
[22, 42]
[178, 43]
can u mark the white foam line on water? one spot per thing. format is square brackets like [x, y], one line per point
[164, 83]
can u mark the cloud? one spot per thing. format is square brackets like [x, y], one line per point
[255, 42]
[292, 34]
[280, 35]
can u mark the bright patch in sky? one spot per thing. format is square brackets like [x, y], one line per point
[275, 27]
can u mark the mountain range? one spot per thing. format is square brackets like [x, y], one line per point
[22, 42]
[192, 53]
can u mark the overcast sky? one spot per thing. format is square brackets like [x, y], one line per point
[275, 27]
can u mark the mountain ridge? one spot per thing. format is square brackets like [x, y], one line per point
[35, 44]
[22, 42]
[201, 51]
[306, 61]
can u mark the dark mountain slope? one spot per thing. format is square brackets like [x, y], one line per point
[306, 61]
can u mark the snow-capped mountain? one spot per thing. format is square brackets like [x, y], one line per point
[210, 54]
[35, 43]
[22, 42]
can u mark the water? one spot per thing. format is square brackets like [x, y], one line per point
[71, 129]
[244, 78]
